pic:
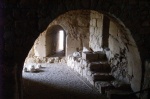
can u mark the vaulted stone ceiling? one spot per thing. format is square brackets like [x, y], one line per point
[23, 21]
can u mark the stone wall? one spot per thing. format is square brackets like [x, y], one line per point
[124, 55]
[76, 26]
[49, 42]
[40, 45]
[24, 20]
[96, 29]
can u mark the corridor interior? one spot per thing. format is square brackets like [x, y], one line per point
[78, 52]
[57, 81]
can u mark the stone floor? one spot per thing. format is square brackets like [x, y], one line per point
[57, 81]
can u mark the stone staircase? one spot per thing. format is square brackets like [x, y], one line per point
[96, 69]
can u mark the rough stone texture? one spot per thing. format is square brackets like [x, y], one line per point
[40, 46]
[93, 70]
[103, 86]
[35, 16]
[76, 26]
[90, 56]
[125, 55]
[96, 28]
[99, 67]
[146, 85]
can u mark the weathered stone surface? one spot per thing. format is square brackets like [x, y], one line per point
[102, 77]
[96, 24]
[145, 95]
[86, 49]
[103, 86]
[113, 42]
[82, 21]
[90, 56]
[99, 67]
[132, 13]
[39, 46]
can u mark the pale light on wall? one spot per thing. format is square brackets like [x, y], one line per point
[61, 40]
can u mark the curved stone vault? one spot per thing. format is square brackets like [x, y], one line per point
[22, 21]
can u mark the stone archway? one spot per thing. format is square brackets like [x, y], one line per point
[53, 40]
[100, 32]
[25, 15]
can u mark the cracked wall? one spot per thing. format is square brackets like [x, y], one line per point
[124, 55]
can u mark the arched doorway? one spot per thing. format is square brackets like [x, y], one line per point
[55, 41]
[99, 32]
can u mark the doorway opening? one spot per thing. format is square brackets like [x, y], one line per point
[106, 50]
[58, 49]
[61, 41]
[55, 41]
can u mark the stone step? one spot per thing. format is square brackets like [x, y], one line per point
[90, 56]
[92, 73]
[94, 56]
[99, 67]
[99, 77]
[120, 94]
[102, 86]
[101, 55]
[124, 87]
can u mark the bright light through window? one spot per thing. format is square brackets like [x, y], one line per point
[61, 40]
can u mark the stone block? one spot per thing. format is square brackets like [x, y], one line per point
[101, 55]
[103, 86]
[90, 56]
[100, 77]
[92, 30]
[120, 94]
[98, 31]
[99, 23]
[94, 22]
[99, 67]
